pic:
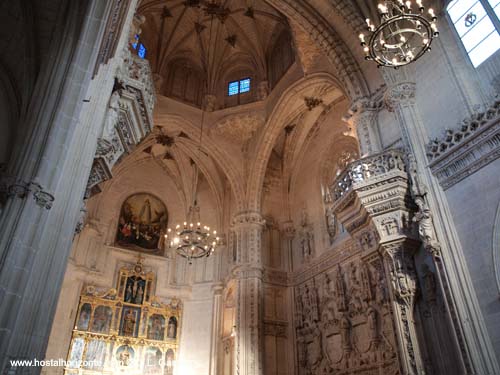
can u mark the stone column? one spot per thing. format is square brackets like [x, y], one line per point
[400, 269]
[52, 164]
[248, 274]
[362, 116]
[471, 334]
[217, 317]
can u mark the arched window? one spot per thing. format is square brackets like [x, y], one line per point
[477, 24]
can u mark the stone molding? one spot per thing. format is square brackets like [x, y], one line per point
[462, 152]
[402, 94]
[11, 186]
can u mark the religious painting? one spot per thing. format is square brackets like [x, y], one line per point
[172, 328]
[125, 355]
[142, 223]
[102, 319]
[95, 355]
[156, 327]
[84, 317]
[134, 291]
[76, 353]
[129, 325]
[153, 361]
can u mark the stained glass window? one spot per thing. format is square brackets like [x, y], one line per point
[141, 52]
[245, 85]
[234, 88]
[475, 26]
[239, 87]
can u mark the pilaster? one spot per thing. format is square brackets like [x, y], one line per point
[248, 274]
[363, 117]
[439, 235]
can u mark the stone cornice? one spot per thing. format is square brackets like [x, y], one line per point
[464, 151]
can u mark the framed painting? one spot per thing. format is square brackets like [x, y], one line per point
[142, 223]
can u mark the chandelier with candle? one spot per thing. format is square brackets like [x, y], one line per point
[405, 33]
[191, 240]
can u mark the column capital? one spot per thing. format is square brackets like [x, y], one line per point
[402, 94]
[218, 289]
[247, 218]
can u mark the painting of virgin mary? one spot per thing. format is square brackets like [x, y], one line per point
[142, 223]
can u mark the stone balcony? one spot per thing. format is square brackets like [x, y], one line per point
[371, 198]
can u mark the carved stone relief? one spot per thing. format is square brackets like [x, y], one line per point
[343, 321]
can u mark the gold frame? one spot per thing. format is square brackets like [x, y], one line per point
[114, 298]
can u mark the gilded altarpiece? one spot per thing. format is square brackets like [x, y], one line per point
[125, 329]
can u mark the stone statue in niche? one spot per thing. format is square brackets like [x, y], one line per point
[340, 290]
[306, 237]
[111, 116]
[331, 224]
[425, 225]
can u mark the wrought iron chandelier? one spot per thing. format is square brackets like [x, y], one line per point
[404, 34]
[192, 240]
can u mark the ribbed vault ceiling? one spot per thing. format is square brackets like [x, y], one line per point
[212, 37]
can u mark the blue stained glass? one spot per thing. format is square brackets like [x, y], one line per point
[233, 88]
[245, 85]
[134, 45]
[142, 51]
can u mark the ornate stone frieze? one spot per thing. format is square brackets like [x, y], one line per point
[465, 150]
[112, 32]
[402, 94]
[128, 118]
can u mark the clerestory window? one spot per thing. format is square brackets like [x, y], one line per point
[239, 87]
[477, 23]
